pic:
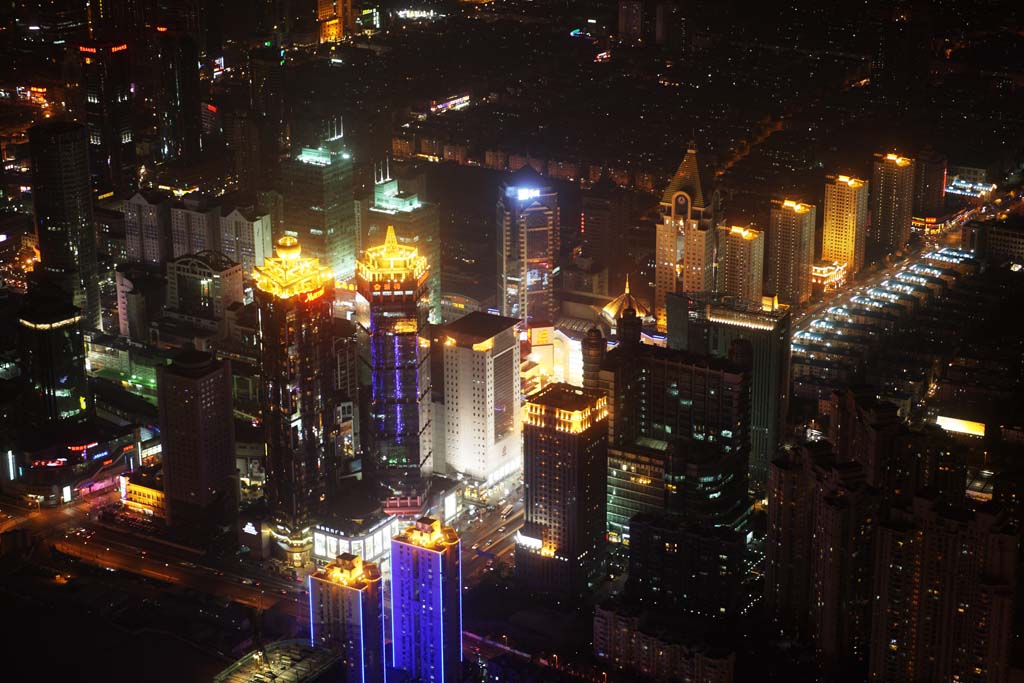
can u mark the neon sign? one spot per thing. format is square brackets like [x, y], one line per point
[90, 50]
[118, 48]
[525, 193]
[83, 447]
[309, 297]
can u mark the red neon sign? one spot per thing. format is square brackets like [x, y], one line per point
[84, 48]
[83, 447]
[212, 108]
[161, 29]
[308, 297]
[118, 48]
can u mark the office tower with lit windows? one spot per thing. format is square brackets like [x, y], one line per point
[246, 238]
[335, 18]
[346, 605]
[147, 227]
[197, 433]
[845, 228]
[711, 324]
[604, 212]
[319, 206]
[242, 144]
[685, 237]
[267, 84]
[195, 226]
[482, 427]
[741, 263]
[565, 459]
[417, 223]
[203, 286]
[426, 602]
[944, 584]
[62, 205]
[53, 365]
[929, 184]
[295, 296]
[104, 99]
[392, 278]
[527, 226]
[791, 250]
[892, 202]
[178, 96]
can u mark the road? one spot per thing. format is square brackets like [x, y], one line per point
[493, 537]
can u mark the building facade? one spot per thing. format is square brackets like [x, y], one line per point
[892, 202]
[845, 227]
[246, 238]
[741, 263]
[791, 250]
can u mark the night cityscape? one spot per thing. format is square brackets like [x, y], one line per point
[512, 341]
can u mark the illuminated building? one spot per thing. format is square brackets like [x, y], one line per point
[528, 224]
[62, 205]
[392, 277]
[197, 435]
[195, 225]
[604, 215]
[336, 19]
[416, 223]
[346, 604]
[791, 250]
[944, 583]
[741, 263]
[710, 324]
[141, 293]
[295, 661]
[892, 202]
[482, 426]
[828, 276]
[245, 238]
[203, 286]
[147, 227]
[143, 491]
[685, 238]
[295, 295]
[614, 309]
[845, 229]
[636, 483]
[267, 86]
[105, 100]
[53, 364]
[929, 184]
[368, 536]
[178, 96]
[319, 208]
[426, 602]
[565, 471]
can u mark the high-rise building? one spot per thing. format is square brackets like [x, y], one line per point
[336, 19]
[637, 474]
[741, 263]
[147, 227]
[565, 459]
[141, 294]
[685, 237]
[892, 202]
[197, 433]
[845, 230]
[319, 207]
[528, 239]
[417, 223]
[242, 143]
[267, 83]
[62, 204]
[426, 602]
[203, 285]
[392, 277]
[482, 427]
[604, 212]
[105, 97]
[944, 585]
[712, 325]
[346, 604]
[195, 226]
[53, 365]
[295, 295]
[179, 96]
[246, 238]
[791, 250]
[929, 184]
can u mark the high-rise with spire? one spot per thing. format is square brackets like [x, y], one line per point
[685, 237]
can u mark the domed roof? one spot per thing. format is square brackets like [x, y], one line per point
[614, 309]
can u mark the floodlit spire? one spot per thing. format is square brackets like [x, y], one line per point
[390, 240]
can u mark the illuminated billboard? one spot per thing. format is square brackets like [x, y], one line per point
[952, 424]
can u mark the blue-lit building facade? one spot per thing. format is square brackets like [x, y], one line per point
[426, 602]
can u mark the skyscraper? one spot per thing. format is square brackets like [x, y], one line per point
[685, 237]
[295, 295]
[105, 100]
[147, 227]
[53, 365]
[845, 231]
[426, 602]
[741, 263]
[565, 442]
[203, 286]
[929, 184]
[392, 277]
[483, 430]
[195, 226]
[245, 238]
[892, 202]
[417, 223]
[267, 83]
[336, 19]
[528, 225]
[346, 604]
[62, 204]
[319, 206]
[791, 250]
[179, 96]
[603, 216]
[197, 432]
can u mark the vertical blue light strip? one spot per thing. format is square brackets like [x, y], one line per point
[395, 559]
[458, 557]
[383, 640]
[362, 646]
[440, 592]
[310, 591]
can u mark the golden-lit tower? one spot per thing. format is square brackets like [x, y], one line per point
[741, 263]
[295, 295]
[791, 240]
[393, 277]
[892, 202]
[845, 230]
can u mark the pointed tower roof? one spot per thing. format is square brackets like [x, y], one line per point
[625, 301]
[692, 177]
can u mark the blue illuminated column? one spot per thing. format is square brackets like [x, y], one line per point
[426, 602]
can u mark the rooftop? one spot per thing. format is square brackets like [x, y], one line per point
[565, 397]
[477, 327]
[287, 661]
